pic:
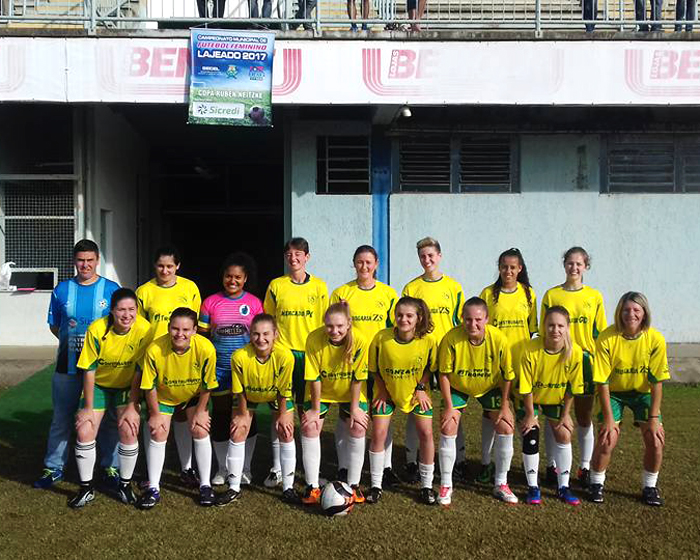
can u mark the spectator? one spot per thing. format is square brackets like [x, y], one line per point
[416, 9]
[654, 14]
[217, 8]
[304, 12]
[255, 12]
[352, 14]
[685, 10]
[590, 12]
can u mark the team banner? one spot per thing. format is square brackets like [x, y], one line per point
[231, 77]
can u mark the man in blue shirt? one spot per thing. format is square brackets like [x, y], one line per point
[75, 303]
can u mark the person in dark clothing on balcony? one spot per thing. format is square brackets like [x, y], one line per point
[654, 14]
[685, 10]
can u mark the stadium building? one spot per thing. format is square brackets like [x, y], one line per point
[498, 125]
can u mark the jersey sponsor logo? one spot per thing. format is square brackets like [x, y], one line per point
[244, 310]
[403, 372]
[269, 389]
[231, 330]
[540, 385]
[336, 375]
[579, 320]
[374, 317]
[103, 304]
[646, 370]
[114, 363]
[191, 382]
[508, 323]
[441, 310]
[160, 317]
[297, 313]
[477, 372]
[75, 343]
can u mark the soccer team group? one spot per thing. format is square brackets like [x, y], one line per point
[203, 370]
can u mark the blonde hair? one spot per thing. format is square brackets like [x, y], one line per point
[641, 300]
[568, 345]
[428, 242]
[342, 308]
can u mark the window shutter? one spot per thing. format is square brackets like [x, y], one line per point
[485, 164]
[424, 164]
[641, 164]
[342, 165]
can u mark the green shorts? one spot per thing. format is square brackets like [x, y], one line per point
[274, 405]
[107, 397]
[639, 403]
[172, 409]
[298, 383]
[549, 411]
[343, 408]
[390, 407]
[488, 401]
[588, 385]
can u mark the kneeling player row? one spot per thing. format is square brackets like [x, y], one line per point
[473, 360]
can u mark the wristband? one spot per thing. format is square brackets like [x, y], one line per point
[657, 416]
[420, 387]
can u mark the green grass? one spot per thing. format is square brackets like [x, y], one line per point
[37, 524]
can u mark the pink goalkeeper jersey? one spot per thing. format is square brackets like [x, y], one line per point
[228, 322]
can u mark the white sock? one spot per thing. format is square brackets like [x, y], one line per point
[597, 477]
[488, 434]
[426, 474]
[202, 452]
[460, 445]
[275, 442]
[411, 440]
[234, 464]
[388, 448]
[341, 444]
[356, 459]
[550, 445]
[85, 455]
[249, 452]
[504, 455]
[448, 456]
[531, 464]
[649, 479]
[183, 443]
[563, 457]
[586, 442]
[128, 455]
[155, 459]
[220, 450]
[376, 468]
[288, 457]
[311, 457]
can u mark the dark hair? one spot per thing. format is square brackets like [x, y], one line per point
[475, 302]
[86, 246]
[582, 252]
[117, 296]
[425, 321]
[263, 318]
[366, 249]
[298, 243]
[522, 275]
[247, 263]
[183, 312]
[167, 251]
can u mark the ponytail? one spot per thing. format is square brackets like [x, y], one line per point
[568, 345]
[343, 308]
[522, 278]
[117, 296]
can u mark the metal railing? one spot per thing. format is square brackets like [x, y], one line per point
[331, 15]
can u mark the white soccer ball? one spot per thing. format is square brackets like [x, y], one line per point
[337, 498]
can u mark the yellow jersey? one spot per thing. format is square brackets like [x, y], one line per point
[475, 370]
[325, 363]
[444, 298]
[401, 365]
[115, 357]
[297, 308]
[179, 377]
[547, 376]
[371, 310]
[586, 311]
[262, 382]
[631, 364]
[156, 303]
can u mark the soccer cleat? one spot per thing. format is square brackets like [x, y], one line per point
[567, 496]
[219, 478]
[389, 478]
[289, 496]
[85, 495]
[485, 475]
[427, 496]
[550, 478]
[357, 495]
[445, 496]
[246, 478]
[375, 494]
[227, 497]
[412, 474]
[584, 477]
[505, 494]
[126, 493]
[189, 478]
[274, 479]
[311, 496]
[461, 470]
[534, 496]
[651, 496]
[343, 475]
[206, 496]
[148, 499]
[110, 478]
[595, 493]
[48, 478]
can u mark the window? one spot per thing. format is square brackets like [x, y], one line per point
[342, 165]
[458, 163]
[652, 164]
[37, 219]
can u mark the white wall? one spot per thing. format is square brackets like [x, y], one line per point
[23, 319]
